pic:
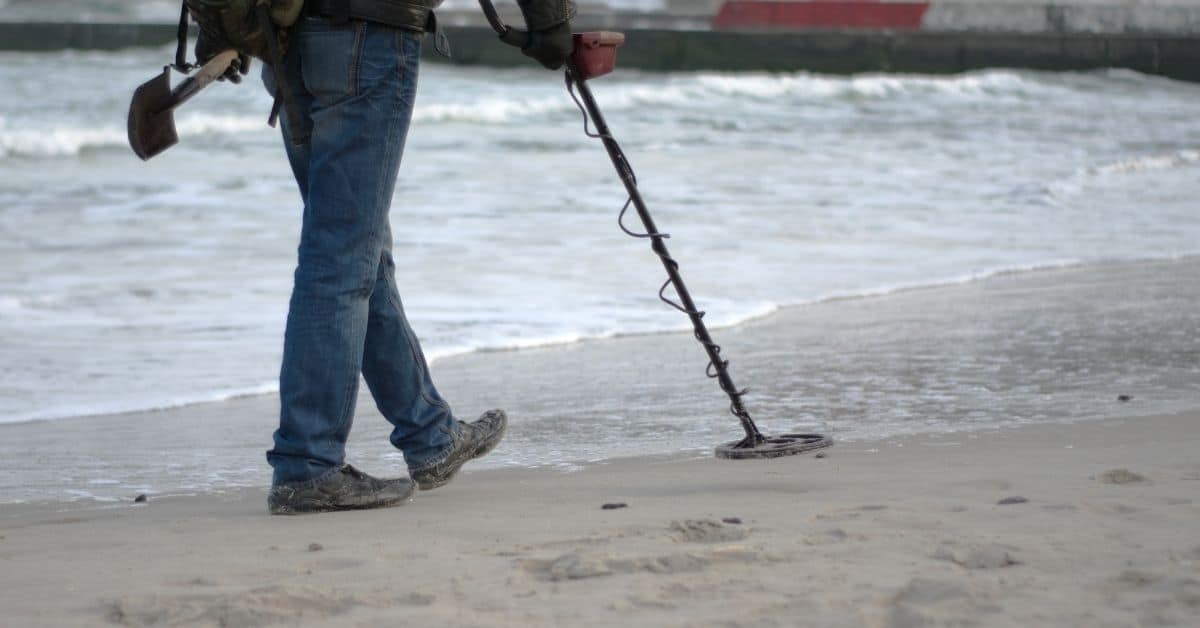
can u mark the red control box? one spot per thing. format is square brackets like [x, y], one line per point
[596, 53]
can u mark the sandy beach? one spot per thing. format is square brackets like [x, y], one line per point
[1091, 524]
[1009, 487]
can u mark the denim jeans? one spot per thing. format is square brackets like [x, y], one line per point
[354, 85]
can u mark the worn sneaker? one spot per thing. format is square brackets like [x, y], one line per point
[475, 440]
[346, 489]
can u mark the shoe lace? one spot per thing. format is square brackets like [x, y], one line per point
[355, 473]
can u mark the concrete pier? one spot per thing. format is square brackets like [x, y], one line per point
[840, 36]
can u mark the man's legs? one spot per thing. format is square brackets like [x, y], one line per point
[357, 84]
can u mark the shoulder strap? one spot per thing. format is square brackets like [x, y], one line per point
[181, 35]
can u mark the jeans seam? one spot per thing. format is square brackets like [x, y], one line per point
[360, 33]
[347, 410]
[418, 360]
[417, 356]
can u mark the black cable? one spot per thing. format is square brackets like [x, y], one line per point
[713, 370]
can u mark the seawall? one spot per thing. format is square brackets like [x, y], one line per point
[837, 36]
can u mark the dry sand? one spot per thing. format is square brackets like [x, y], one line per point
[1091, 524]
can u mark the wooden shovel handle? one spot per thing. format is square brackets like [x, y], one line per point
[207, 73]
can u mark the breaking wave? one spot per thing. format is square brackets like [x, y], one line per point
[709, 90]
[683, 92]
[70, 140]
[1148, 162]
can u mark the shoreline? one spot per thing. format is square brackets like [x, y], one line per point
[1086, 523]
[22, 509]
[1045, 347]
[774, 310]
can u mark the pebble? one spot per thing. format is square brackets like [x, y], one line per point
[820, 455]
[614, 506]
[315, 547]
[140, 499]
[733, 520]
[1124, 397]
[1015, 499]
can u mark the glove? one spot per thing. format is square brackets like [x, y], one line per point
[209, 45]
[550, 47]
[549, 22]
[226, 24]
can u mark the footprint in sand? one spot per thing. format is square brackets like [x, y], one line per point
[1164, 600]
[985, 556]
[580, 565]
[335, 564]
[926, 602]
[846, 514]
[1109, 508]
[254, 607]
[706, 531]
[1191, 556]
[832, 535]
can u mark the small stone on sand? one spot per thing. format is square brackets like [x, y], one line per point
[315, 547]
[1015, 499]
[1124, 397]
[733, 520]
[140, 499]
[614, 506]
[821, 455]
[1120, 476]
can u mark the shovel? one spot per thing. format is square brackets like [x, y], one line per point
[151, 119]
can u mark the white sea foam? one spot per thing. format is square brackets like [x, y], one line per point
[685, 91]
[698, 90]
[55, 141]
[59, 140]
[986, 83]
[1148, 162]
[1087, 177]
[201, 124]
[139, 405]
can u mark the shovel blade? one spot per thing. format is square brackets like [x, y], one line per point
[151, 123]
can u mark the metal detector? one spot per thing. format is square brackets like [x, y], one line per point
[595, 55]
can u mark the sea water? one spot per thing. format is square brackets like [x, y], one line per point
[132, 285]
[129, 286]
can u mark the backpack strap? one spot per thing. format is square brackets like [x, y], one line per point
[181, 36]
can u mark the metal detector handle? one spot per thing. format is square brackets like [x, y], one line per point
[512, 36]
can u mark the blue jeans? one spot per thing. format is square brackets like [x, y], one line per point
[354, 86]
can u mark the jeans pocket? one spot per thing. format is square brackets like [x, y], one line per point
[331, 55]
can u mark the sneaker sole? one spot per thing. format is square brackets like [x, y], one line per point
[312, 508]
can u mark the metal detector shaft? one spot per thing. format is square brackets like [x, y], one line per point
[659, 246]
[595, 55]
